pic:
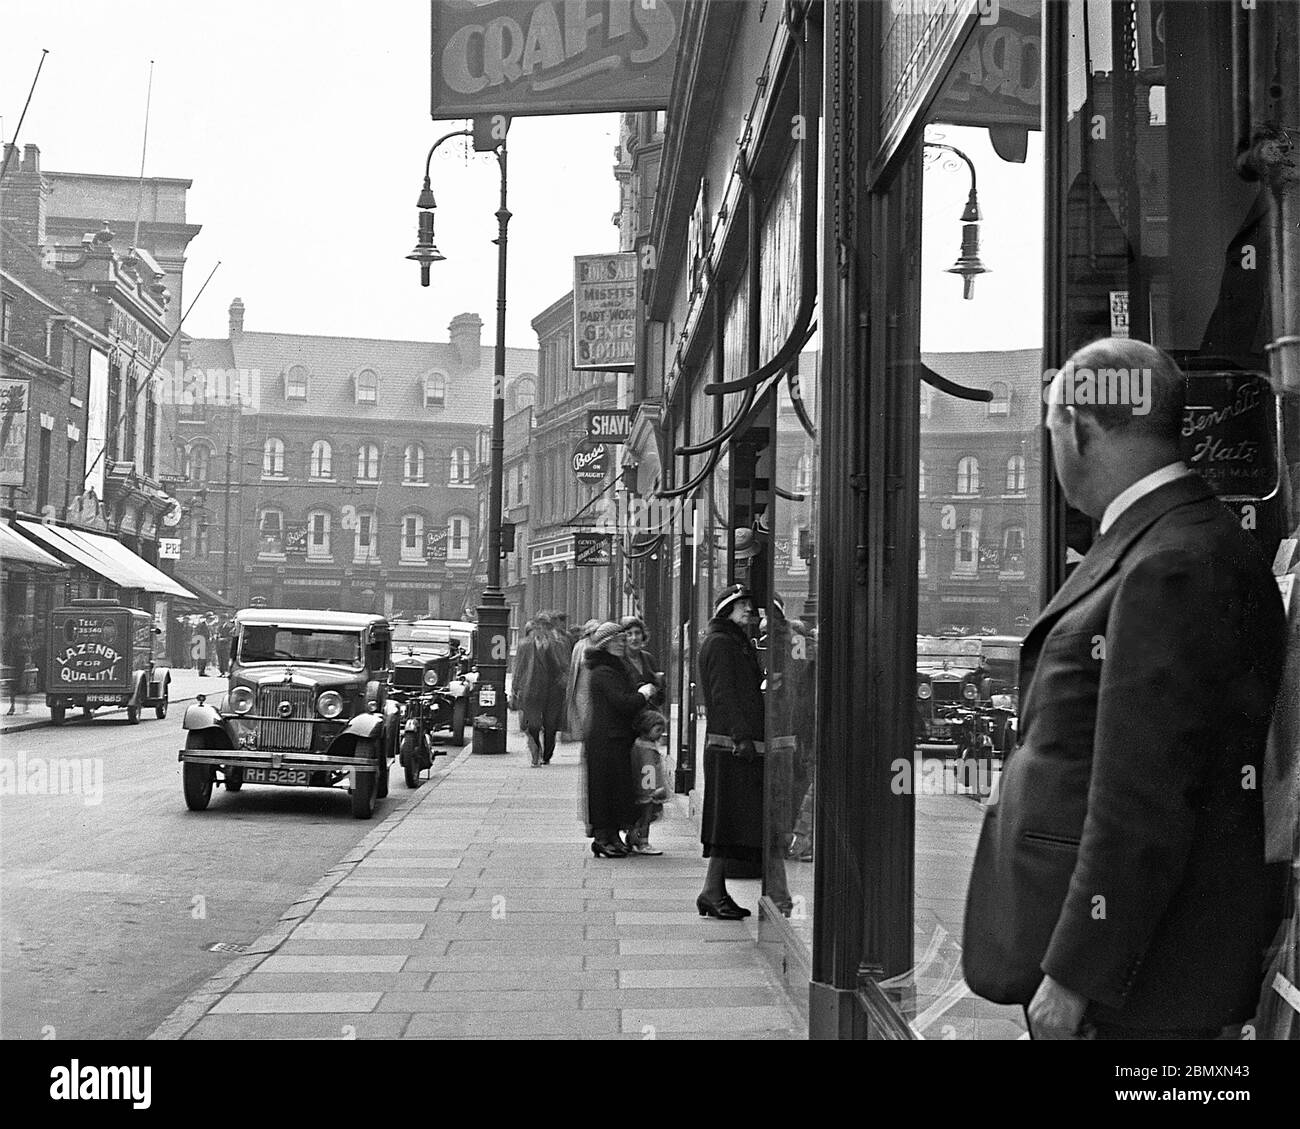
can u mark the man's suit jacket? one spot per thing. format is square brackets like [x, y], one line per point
[1124, 853]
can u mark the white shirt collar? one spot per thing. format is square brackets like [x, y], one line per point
[1140, 489]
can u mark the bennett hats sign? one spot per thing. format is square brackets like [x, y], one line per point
[604, 311]
[612, 426]
[590, 462]
[525, 57]
[591, 550]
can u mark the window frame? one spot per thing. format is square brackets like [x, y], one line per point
[321, 469]
[409, 554]
[315, 553]
[273, 457]
[416, 479]
[360, 387]
[968, 469]
[364, 463]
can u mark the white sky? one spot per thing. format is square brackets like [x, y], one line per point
[304, 125]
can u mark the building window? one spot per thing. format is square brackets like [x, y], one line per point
[924, 393]
[435, 391]
[7, 321]
[199, 536]
[367, 463]
[270, 534]
[523, 485]
[920, 554]
[365, 547]
[367, 386]
[458, 538]
[803, 475]
[920, 477]
[318, 535]
[968, 552]
[1016, 474]
[412, 538]
[458, 473]
[321, 464]
[413, 463]
[198, 464]
[1013, 550]
[523, 393]
[273, 458]
[295, 383]
[968, 475]
[1000, 405]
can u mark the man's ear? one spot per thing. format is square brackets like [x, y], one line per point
[1082, 429]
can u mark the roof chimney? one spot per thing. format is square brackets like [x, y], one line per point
[236, 319]
[23, 197]
[464, 333]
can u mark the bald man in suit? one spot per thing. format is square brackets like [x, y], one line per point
[1119, 889]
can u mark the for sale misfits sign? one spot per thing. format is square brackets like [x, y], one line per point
[523, 57]
[89, 650]
[604, 311]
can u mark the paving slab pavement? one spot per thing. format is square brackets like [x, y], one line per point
[479, 912]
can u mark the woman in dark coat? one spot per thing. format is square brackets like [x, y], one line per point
[640, 662]
[610, 734]
[731, 685]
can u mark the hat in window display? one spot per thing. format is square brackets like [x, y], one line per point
[746, 543]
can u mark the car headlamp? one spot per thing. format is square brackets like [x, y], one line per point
[329, 704]
[923, 691]
[968, 691]
[240, 700]
[431, 677]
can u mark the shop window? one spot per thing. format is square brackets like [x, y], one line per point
[365, 545]
[273, 458]
[968, 475]
[367, 386]
[413, 464]
[318, 535]
[270, 533]
[322, 459]
[412, 538]
[368, 463]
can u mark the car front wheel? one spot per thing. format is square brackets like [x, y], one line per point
[198, 785]
[363, 791]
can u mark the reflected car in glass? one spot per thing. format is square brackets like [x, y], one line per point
[432, 679]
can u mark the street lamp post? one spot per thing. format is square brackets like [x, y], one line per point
[493, 614]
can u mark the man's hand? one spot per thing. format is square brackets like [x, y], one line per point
[1056, 1012]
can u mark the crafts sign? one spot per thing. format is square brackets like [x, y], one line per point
[522, 57]
[591, 550]
[591, 462]
[1230, 434]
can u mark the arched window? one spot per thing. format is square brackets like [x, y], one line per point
[198, 463]
[365, 546]
[523, 393]
[295, 383]
[413, 538]
[199, 536]
[920, 477]
[318, 535]
[803, 475]
[367, 463]
[413, 463]
[458, 469]
[968, 475]
[270, 533]
[321, 464]
[435, 391]
[367, 386]
[273, 458]
[458, 538]
[920, 554]
[1016, 474]
[1000, 405]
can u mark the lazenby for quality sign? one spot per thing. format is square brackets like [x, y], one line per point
[604, 311]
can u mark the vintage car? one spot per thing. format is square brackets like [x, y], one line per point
[966, 693]
[432, 679]
[307, 706]
[100, 653]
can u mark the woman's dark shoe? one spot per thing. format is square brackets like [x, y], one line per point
[722, 907]
[608, 850]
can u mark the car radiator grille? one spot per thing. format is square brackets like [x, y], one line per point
[293, 732]
[408, 676]
[947, 691]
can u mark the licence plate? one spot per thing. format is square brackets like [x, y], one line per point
[275, 776]
[102, 701]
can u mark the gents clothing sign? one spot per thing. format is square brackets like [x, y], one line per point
[591, 462]
[591, 550]
[604, 311]
[524, 57]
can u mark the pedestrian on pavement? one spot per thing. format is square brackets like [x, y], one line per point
[539, 685]
[640, 662]
[1119, 889]
[225, 633]
[18, 655]
[576, 702]
[615, 702]
[731, 685]
[648, 779]
[200, 643]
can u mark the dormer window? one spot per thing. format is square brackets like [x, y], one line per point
[435, 391]
[367, 386]
[295, 383]
[1000, 405]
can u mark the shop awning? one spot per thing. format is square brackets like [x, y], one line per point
[203, 593]
[110, 559]
[16, 552]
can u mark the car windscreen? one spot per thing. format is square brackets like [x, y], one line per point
[261, 643]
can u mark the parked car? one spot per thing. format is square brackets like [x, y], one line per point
[966, 694]
[307, 706]
[431, 680]
[100, 653]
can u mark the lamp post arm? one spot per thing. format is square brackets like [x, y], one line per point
[428, 161]
[953, 149]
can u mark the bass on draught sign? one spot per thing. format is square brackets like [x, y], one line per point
[591, 462]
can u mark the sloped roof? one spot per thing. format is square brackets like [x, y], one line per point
[1022, 369]
[333, 363]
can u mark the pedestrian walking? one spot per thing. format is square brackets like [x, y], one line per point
[610, 734]
[200, 642]
[730, 680]
[1120, 889]
[539, 686]
[225, 635]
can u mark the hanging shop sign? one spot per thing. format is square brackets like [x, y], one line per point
[169, 548]
[1230, 433]
[591, 550]
[523, 57]
[591, 462]
[13, 431]
[998, 80]
[604, 311]
[612, 426]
